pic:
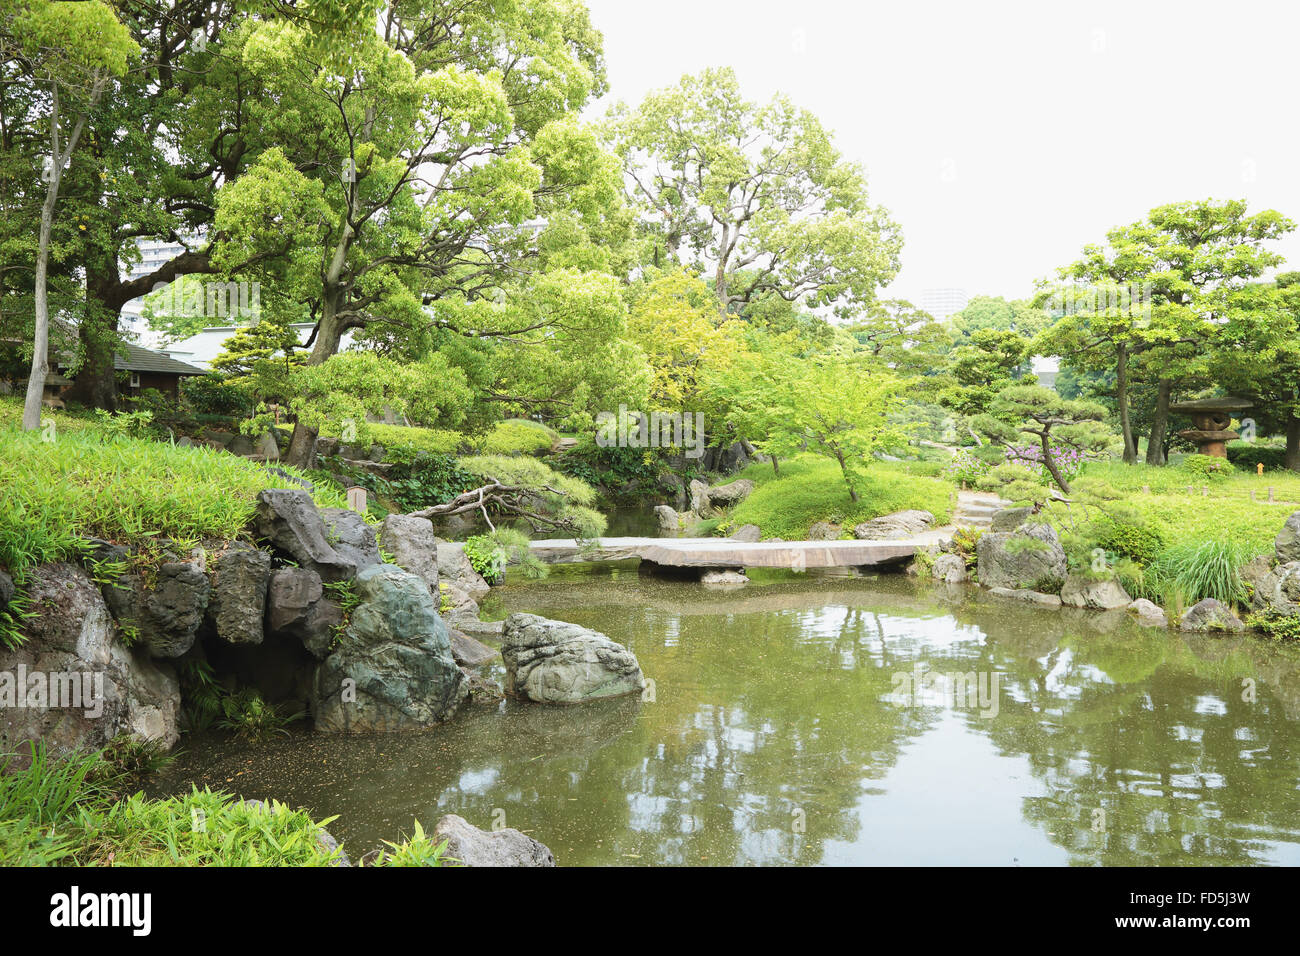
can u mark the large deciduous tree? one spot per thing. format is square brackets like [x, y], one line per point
[756, 195]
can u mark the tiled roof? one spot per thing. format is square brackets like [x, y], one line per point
[133, 358]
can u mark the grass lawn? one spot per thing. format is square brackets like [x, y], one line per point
[1226, 511]
[811, 489]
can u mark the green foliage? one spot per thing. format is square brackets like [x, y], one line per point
[1280, 627]
[402, 443]
[1135, 538]
[965, 542]
[1207, 466]
[518, 436]
[1195, 571]
[486, 557]
[964, 468]
[251, 718]
[418, 850]
[811, 489]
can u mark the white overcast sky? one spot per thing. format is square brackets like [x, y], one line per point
[1005, 136]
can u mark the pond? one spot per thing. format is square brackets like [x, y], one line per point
[787, 726]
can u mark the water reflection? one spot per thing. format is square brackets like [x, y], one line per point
[776, 737]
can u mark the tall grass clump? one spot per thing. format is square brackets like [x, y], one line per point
[1191, 572]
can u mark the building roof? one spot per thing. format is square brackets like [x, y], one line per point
[133, 358]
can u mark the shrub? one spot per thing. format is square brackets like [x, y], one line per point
[1135, 538]
[1207, 466]
[518, 436]
[1195, 571]
[403, 443]
[1280, 627]
[1247, 455]
[964, 468]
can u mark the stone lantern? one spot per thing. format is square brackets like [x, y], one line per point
[1212, 417]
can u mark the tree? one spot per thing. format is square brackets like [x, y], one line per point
[841, 409]
[1154, 291]
[980, 370]
[74, 50]
[1038, 411]
[413, 173]
[755, 194]
[897, 333]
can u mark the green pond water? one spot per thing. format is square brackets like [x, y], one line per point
[783, 731]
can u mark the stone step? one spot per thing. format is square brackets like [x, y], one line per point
[972, 509]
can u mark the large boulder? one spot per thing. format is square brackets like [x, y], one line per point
[1287, 542]
[1029, 557]
[238, 602]
[352, 537]
[750, 533]
[554, 662]
[950, 568]
[454, 568]
[732, 493]
[392, 669]
[1027, 595]
[298, 606]
[73, 683]
[468, 652]
[698, 492]
[470, 846]
[174, 609]
[291, 522]
[411, 542]
[667, 519]
[1099, 595]
[1209, 615]
[900, 524]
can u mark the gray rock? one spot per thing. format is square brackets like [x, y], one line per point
[900, 524]
[555, 662]
[290, 521]
[297, 606]
[467, 652]
[1009, 519]
[1029, 557]
[1028, 596]
[667, 518]
[699, 495]
[7, 589]
[454, 568]
[240, 444]
[267, 448]
[482, 690]
[393, 669]
[724, 578]
[747, 532]
[470, 846]
[823, 531]
[411, 542]
[1209, 615]
[1287, 543]
[1148, 613]
[238, 602]
[950, 568]
[461, 609]
[72, 642]
[352, 537]
[174, 609]
[731, 493]
[1275, 590]
[1082, 591]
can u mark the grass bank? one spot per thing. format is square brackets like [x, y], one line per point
[811, 489]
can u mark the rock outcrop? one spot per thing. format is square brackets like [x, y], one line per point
[1287, 543]
[732, 493]
[237, 605]
[1029, 557]
[1009, 519]
[747, 532]
[470, 846]
[291, 522]
[393, 668]
[1148, 613]
[411, 542]
[174, 609]
[554, 662]
[454, 568]
[667, 519]
[73, 683]
[300, 608]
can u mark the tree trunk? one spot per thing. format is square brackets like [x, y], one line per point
[1159, 424]
[1050, 463]
[1121, 402]
[1293, 443]
[302, 446]
[776, 469]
